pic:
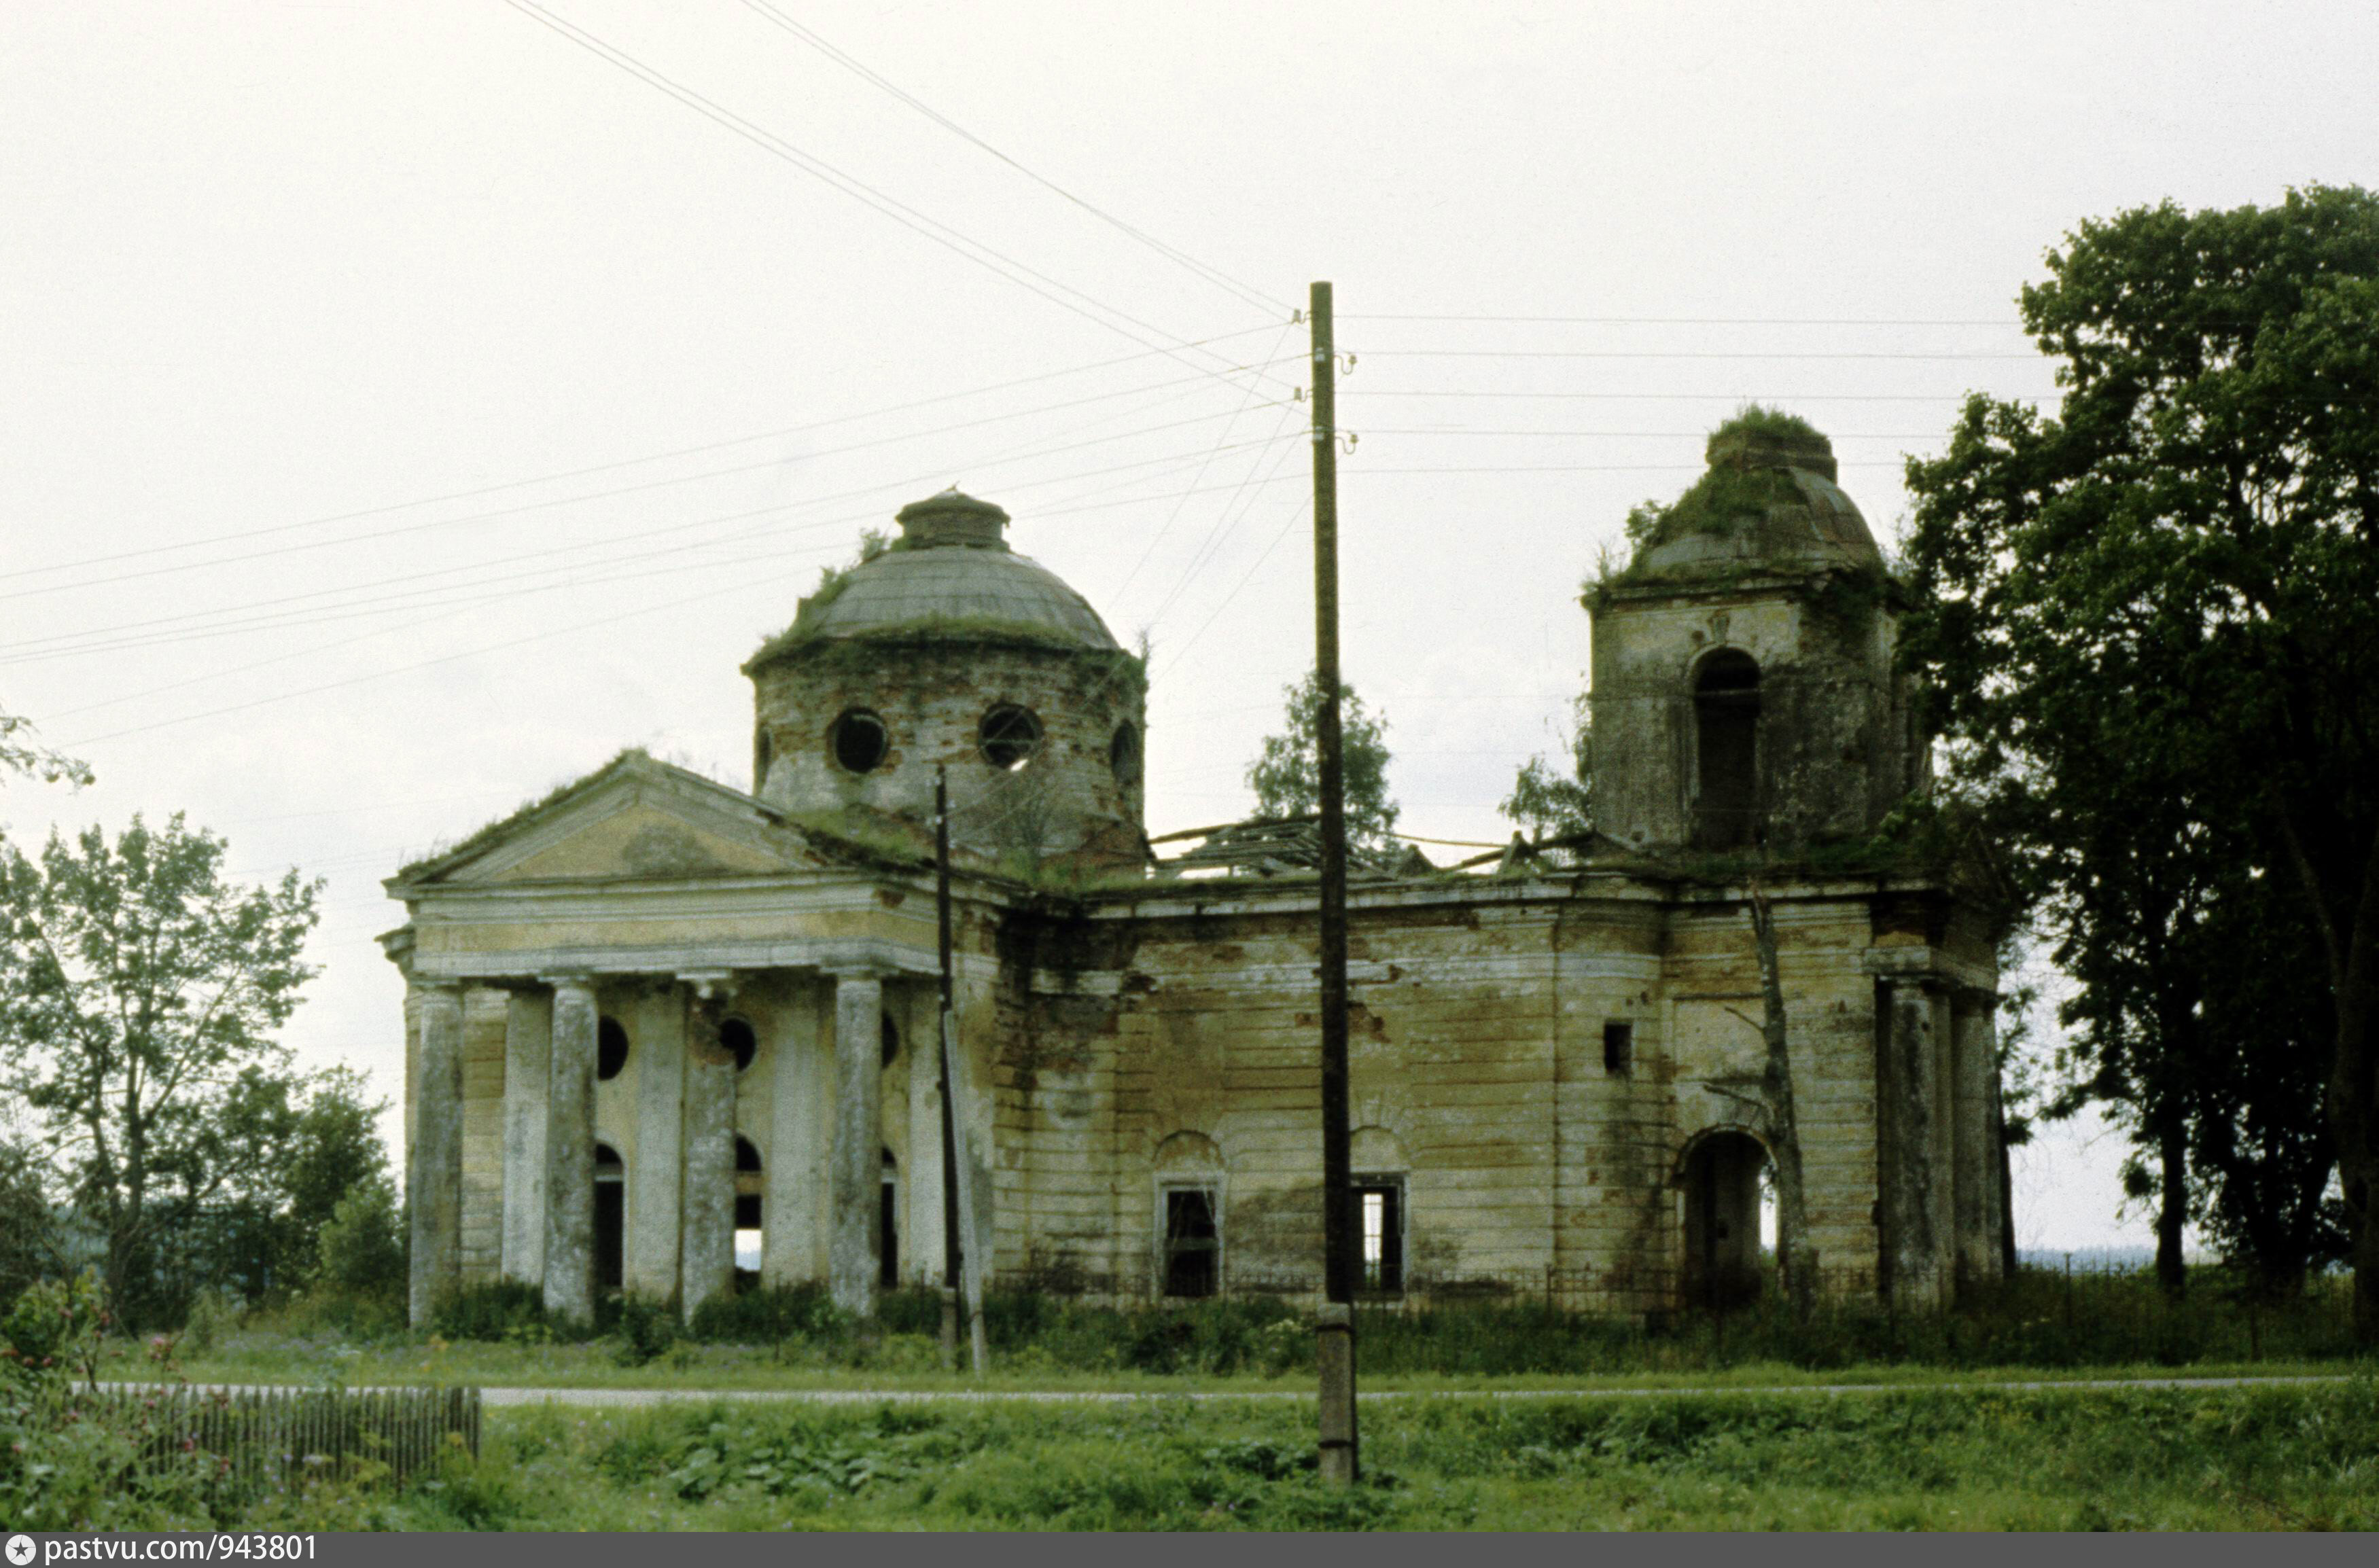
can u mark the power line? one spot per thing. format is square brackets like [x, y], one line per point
[641, 488]
[1090, 307]
[1173, 516]
[1706, 320]
[1684, 397]
[654, 457]
[67, 645]
[1211, 274]
[1675, 354]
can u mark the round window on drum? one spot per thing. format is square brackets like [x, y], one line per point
[1010, 737]
[859, 741]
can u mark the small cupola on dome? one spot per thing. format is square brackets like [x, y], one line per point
[952, 517]
[1768, 500]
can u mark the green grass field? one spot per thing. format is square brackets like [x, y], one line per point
[2297, 1458]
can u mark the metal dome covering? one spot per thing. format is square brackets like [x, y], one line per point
[950, 575]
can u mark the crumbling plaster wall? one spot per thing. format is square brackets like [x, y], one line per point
[1835, 748]
[1067, 804]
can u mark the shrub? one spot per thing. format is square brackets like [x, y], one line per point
[504, 1310]
[776, 1313]
[361, 1250]
[648, 1330]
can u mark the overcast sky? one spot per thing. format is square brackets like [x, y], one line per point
[404, 406]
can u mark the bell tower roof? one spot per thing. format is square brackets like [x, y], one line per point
[1767, 502]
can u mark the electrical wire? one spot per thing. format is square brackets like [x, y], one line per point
[654, 457]
[1213, 275]
[1086, 306]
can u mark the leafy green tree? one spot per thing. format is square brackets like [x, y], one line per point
[139, 995]
[19, 755]
[2150, 625]
[1287, 775]
[1549, 801]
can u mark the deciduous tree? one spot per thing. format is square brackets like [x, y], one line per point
[140, 996]
[2151, 627]
[1287, 775]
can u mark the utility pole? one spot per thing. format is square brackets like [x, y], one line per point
[952, 1253]
[1335, 1346]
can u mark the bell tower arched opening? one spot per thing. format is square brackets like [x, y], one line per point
[1726, 750]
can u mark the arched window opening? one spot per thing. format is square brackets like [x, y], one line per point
[1724, 1175]
[763, 752]
[1726, 750]
[1010, 737]
[735, 1037]
[1123, 755]
[610, 1216]
[859, 741]
[610, 1049]
[749, 1232]
[891, 1044]
[1190, 1171]
[887, 1228]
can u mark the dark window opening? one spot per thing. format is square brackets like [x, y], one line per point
[736, 1038]
[1192, 1247]
[763, 752]
[891, 1043]
[1380, 1225]
[1618, 1049]
[610, 1049]
[1726, 750]
[888, 1228]
[749, 1237]
[1010, 737]
[610, 1217]
[859, 741]
[1123, 755]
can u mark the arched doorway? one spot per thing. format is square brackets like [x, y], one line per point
[610, 1216]
[1726, 750]
[1723, 1179]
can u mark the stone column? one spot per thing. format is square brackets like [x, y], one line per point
[852, 1259]
[528, 1035]
[1908, 1107]
[656, 1185]
[921, 1183]
[434, 1164]
[569, 1152]
[708, 1223]
[800, 1136]
[1975, 1119]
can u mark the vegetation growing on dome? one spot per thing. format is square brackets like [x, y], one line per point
[1767, 427]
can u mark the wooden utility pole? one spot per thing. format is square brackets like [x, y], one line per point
[1335, 1349]
[953, 1249]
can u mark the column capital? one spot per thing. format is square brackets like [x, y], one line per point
[709, 984]
[879, 972]
[580, 980]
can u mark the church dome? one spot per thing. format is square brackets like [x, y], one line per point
[1767, 502]
[951, 576]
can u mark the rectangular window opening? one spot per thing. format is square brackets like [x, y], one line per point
[1192, 1243]
[1379, 1232]
[1618, 1048]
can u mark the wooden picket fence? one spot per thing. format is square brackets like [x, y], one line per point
[268, 1436]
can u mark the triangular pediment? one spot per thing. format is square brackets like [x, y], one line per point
[634, 819]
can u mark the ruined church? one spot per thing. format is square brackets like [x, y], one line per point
[676, 1037]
